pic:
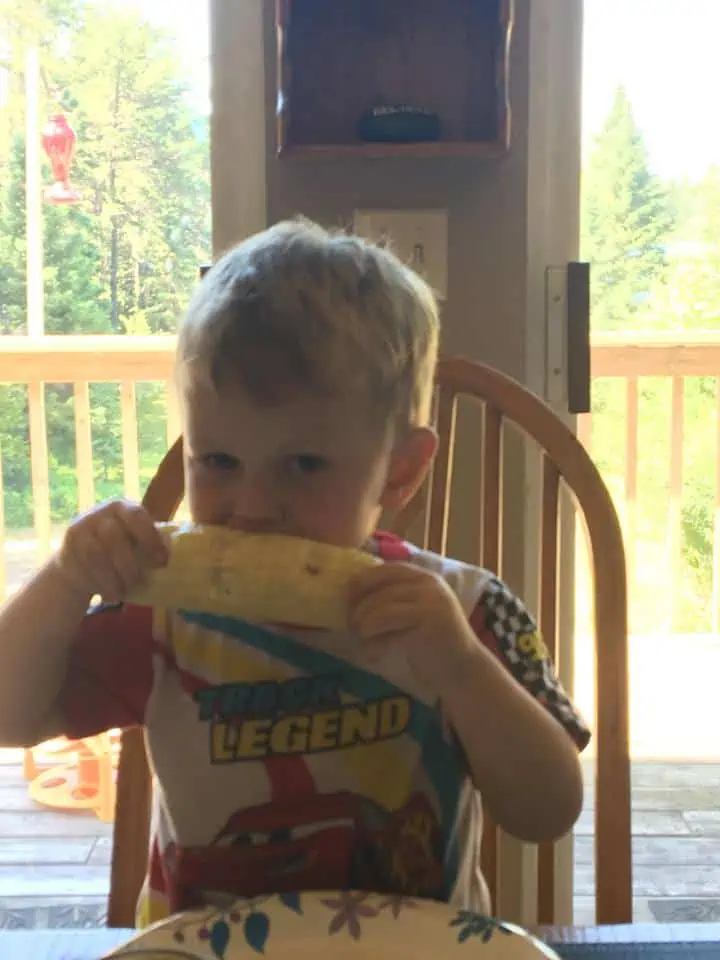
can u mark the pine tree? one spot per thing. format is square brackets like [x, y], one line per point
[140, 163]
[125, 259]
[626, 220]
[650, 273]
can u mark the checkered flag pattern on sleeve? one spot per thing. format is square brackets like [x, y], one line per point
[522, 648]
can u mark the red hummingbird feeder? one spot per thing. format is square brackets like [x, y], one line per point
[58, 141]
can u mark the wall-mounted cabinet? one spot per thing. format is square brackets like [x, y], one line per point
[388, 78]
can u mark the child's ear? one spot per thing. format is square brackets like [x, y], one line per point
[411, 460]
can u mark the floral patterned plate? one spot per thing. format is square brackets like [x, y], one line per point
[332, 926]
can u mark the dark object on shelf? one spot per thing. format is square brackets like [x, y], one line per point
[400, 124]
[446, 59]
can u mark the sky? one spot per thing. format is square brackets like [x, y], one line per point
[667, 55]
[665, 52]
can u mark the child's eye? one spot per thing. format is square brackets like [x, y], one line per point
[307, 463]
[219, 461]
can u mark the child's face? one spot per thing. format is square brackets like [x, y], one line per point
[307, 467]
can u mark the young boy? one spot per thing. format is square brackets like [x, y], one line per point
[288, 760]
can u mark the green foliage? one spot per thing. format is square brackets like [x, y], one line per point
[125, 259]
[75, 298]
[143, 166]
[688, 300]
[655, 254]
[626, 219]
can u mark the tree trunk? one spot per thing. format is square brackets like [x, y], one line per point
[114, 228]
[114, 308]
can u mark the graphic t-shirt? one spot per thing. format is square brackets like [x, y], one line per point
[286, 761]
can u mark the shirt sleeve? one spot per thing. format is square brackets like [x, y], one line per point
[503, 626]
[110, 671]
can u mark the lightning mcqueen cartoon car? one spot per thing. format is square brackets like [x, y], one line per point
[326, 841]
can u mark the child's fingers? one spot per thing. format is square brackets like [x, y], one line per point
[92, 561]
[382, 596]
[140, 526]
[387, 576]
[119, 552]
[375, 620]
[108, 549]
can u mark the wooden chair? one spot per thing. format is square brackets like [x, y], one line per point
[504, 400]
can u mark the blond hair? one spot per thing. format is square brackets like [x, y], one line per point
[297, 307]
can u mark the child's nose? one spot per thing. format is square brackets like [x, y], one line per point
[255, 507]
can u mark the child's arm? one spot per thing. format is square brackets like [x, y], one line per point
[105, 552]
[37, 626]
[520, 756]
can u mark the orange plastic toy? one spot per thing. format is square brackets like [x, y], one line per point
[85, 781]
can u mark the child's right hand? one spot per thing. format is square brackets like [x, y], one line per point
[109, 550]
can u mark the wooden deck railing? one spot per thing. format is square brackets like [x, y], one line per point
[81, 361]
[84, 360]
[674, 357]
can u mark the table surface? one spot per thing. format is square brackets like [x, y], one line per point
[636, 942]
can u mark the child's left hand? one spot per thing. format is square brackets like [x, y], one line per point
[398, 604]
